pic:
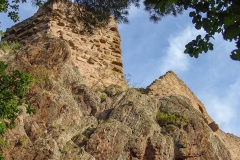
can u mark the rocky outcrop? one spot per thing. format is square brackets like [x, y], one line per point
[79, 116]
[169, 84]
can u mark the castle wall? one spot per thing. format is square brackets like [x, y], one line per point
[97, 56]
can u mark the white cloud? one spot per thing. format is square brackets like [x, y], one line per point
[224, 109]
[175, 59]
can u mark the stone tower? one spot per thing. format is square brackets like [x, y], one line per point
[97, 56]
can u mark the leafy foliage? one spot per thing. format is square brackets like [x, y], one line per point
[159, 9]
[105, 8]
[97, 13]
[12, 91]
[214, 16]
[11, 8]
[165, 119]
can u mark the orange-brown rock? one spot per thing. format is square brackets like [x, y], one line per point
[170, 84]
[84, 109]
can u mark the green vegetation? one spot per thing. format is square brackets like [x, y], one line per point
[9, 46]
[103, 97]
[13, 88]
[42, 77]
[23, 141]
[1, 33]
[65, 148]
[165, 119]
[11, 8]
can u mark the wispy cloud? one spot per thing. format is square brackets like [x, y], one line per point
[223, 109]
[175, 59]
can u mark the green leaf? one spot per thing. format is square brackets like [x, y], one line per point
[235, 54]
[235, 8]
[205, 48]
[228, 21]
[192, 14]
[186, 50]
[194, 20]
[3, 128]
[210, 46]
[232, 31]
[198, 25]
[198, 37]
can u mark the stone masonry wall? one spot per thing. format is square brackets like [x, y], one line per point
[98, 56]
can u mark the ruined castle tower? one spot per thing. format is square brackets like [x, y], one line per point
[76, 120]
[97, 56]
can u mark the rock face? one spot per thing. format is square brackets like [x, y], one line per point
[170, 84]
[80, 116]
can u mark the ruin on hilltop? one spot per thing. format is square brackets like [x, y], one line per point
[85, 109]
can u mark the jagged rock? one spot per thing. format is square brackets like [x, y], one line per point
[86, 111]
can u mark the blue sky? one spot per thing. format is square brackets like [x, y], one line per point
[150, 50]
